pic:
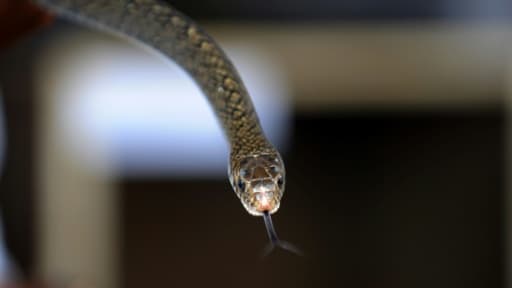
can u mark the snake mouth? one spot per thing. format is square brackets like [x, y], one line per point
[259, 203]
[263, 195]
[264, 201]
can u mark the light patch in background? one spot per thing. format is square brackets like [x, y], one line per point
[117, 101]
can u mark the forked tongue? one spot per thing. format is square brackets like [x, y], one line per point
[274, 240]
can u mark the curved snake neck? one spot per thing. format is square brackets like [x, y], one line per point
[160, 26]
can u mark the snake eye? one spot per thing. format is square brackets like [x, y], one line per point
[241, 185]
[274, 170]
[280, 182]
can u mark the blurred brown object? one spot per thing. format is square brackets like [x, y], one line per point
[19, 18]
[21, 285]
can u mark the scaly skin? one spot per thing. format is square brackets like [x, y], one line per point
[167, 30]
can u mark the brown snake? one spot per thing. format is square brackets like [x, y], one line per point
[256, 170]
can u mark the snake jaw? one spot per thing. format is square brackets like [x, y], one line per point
[263, 195]
[258, 180]
[264, 201]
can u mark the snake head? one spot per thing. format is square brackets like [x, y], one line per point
[258, 180]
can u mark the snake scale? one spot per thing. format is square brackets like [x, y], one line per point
[256, 170]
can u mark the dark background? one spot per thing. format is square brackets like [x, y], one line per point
[380, 200]
[351, 10]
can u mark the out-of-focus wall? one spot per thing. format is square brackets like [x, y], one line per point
[388, 65]
[77, 207]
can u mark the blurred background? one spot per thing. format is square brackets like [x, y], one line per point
[391, 117]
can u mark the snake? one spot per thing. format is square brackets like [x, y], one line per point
[256, 170]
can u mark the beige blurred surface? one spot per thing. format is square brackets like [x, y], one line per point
[77, 202]
[417, 64]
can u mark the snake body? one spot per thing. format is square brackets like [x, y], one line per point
[256, 170]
